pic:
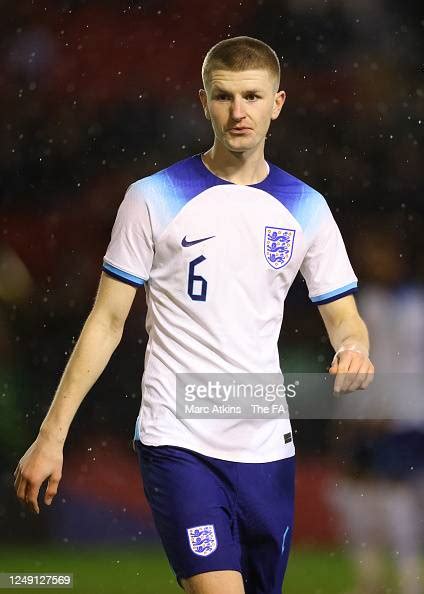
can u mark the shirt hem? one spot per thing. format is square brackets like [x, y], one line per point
[220, 455]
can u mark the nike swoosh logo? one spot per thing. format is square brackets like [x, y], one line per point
[186, 243]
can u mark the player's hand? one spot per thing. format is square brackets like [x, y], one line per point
[353, 371]
[43, 460]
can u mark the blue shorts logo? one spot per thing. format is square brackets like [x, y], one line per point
[278, 246]
[202, 539]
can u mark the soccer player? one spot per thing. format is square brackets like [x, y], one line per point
[216, 240]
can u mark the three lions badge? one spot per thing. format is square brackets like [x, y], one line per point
[278, 246]
[202, 539]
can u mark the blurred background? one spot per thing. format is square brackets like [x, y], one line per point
[96, 94]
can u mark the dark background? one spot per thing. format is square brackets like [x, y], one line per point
[97, 94]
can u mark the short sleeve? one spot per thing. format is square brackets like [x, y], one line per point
[129, 254]
[326, 266]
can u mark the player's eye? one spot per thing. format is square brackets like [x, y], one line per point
[221, 97]
[252, 97]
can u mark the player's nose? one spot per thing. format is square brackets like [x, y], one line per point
[237, 109]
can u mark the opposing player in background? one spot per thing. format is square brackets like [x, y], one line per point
[379, 490]
[216, 239]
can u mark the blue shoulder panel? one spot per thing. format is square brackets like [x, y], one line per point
[303, 202]
[168, 190]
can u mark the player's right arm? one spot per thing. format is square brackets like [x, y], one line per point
[99, 338]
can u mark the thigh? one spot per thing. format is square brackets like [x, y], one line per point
[192, 511]
[265, 511]
[400, 519]
[358, 503]
[214, 582]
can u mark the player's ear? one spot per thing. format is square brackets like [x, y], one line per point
[279, 100]
[204, 101]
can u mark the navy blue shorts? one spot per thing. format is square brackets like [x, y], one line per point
[216, 515]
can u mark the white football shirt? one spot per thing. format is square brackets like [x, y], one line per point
[217, 260]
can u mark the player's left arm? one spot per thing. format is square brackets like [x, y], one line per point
[349, 337]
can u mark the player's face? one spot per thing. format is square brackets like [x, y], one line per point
[241, 106]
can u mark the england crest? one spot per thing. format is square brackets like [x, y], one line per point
[202, 539]
[278, 246]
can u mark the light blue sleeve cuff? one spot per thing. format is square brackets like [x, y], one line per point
[121, 275]
[336, 294]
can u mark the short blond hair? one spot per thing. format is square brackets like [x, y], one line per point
[241, 53]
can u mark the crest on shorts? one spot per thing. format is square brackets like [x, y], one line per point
[202, 539]
[278, 246]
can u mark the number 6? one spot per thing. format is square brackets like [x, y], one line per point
[195, 277]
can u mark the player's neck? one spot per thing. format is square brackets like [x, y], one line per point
[238, 168]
